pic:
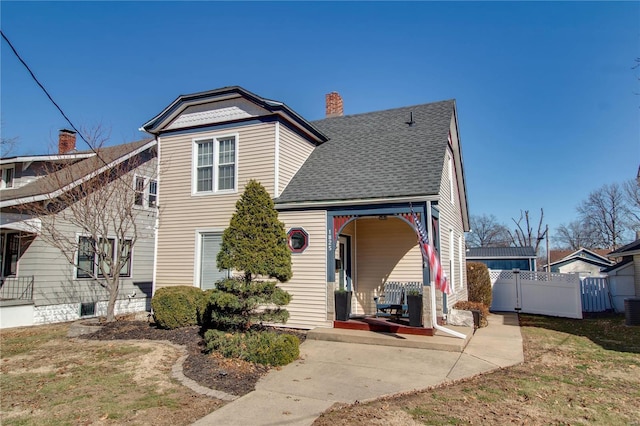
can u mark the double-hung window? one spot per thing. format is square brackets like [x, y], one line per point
[6, 178]
[86, 257]
[146, 192]
[215, 164]
[98, 259]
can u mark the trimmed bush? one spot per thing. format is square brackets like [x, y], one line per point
[474, 306]
[178, 306]
[478, 283]
[261, 347]
[236, 304]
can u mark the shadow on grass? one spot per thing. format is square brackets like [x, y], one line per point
[606, 330]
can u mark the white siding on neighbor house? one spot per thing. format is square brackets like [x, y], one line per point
[183, 213]
[294, 151]
[386, 250]
[308, 286]
[578, 266]
[451, 220]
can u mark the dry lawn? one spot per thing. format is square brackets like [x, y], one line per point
[575, 372]
[48, 379]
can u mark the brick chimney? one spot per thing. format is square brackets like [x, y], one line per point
[66, 141]
[334, 105]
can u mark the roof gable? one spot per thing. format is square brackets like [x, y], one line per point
[376, 155]
[583, 254]
[226, 105]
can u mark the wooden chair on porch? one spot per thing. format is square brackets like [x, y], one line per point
[393, 300]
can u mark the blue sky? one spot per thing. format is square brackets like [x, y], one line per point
[547, 99]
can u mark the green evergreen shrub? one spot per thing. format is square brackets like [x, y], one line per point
[478, 283]
[236, 304]
[255, 242]
[474, 306]
[175, 307]
[261, 347]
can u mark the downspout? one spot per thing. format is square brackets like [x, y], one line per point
[432, 292]
[276, 183]
[157, 224]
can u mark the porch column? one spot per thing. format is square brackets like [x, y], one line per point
[426, 306]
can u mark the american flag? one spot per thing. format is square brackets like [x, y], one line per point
[429, 252]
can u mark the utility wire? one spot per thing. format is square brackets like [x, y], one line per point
[15, 52]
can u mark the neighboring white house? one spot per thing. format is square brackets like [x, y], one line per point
[38, 284]
[583, 262]
[344, 186]
[624, 276]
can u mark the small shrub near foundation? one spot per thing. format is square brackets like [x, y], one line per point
[175, 307]
[261, 347]
[479, 283]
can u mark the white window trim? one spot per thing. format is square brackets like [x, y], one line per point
[96, 260]
[145, 193]
[452, 259]
[216, 159]
[460, 253]
[451, 186]
[3, 182]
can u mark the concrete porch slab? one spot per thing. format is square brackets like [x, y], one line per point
[440, 342]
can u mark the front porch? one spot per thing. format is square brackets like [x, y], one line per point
[386, 332]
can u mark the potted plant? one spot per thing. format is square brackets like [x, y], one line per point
[414, 306]
[342, 304]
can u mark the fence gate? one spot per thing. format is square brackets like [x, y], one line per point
[536, 293]
[595, 294]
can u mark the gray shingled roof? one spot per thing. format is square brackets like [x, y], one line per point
[622, 251]
[78, 170]
[488, 252]
[376, 155]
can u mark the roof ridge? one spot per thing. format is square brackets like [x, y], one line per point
[386, 110]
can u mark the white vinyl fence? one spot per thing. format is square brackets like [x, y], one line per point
[536, 293]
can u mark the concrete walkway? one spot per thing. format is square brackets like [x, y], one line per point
[330, 372]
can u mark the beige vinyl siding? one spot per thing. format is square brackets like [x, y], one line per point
[451, 219]
[294, 151]
[308, 286]
[386, 250]
[183, 213]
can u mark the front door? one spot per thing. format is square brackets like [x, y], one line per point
[343, 263]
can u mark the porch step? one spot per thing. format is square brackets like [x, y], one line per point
[440, 341]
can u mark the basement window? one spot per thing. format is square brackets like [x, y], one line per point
[88, 309]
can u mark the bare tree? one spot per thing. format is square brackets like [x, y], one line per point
[575, 235]
[631, 190]
[487, 232]
[93, 212]
[605, 211]
[523, 235]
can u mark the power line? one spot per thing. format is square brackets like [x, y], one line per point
[15, 52]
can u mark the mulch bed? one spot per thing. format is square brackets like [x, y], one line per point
[233, 376]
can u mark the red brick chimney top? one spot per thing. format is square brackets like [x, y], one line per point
[66, 141]
[334, 105]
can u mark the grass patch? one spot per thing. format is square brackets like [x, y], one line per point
[575, 372]
[51, 380]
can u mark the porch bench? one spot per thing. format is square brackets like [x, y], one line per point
[394, 295]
